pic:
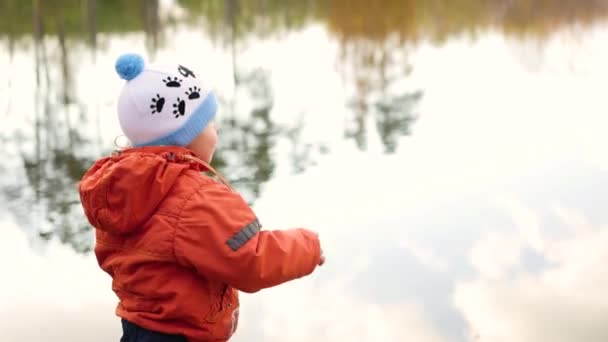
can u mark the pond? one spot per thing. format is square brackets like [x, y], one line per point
[449, 153]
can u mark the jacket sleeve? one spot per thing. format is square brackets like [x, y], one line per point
[219, 235]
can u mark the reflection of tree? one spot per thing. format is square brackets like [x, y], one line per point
[90, 9]
[374, 62]
[248, 134]
[247, 141]
[412, 19]
[54, 156]
[247, 138]
[258, 18]
[394, 118]
[53, 179]
[151, 23]
[56, 153]
[377, 68]
[438, 20]
[373, 35]
[301, 154]
[81, 17]
[51, 157]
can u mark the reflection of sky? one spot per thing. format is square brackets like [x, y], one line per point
[486, 222]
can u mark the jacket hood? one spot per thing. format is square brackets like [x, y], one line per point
[119, 193]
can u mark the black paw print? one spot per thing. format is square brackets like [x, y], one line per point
[157, 104]
[179, 108]
[172, 82]
[193, 93]
[185, 71]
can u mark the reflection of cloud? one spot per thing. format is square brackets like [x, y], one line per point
[67, 298]
[564, 302]
[40, 322]
[58, 296]
[426, 256]
[496, 254]
[331, 313]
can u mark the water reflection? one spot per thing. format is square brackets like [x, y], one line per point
[245, 154]
[409, 19]
[379, 70]
[407, 193]
[62, 136]
[51, 153]
[56, 153]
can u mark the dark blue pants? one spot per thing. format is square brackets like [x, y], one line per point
[135, 333]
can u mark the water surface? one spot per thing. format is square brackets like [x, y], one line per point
[450, 153]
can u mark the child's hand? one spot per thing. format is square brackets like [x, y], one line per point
[322, 260]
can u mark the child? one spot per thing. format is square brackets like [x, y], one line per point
[178, 244]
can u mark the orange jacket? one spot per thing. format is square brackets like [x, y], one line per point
[178, 245]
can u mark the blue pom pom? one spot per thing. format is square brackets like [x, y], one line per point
[129, 65]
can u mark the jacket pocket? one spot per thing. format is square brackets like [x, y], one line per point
[216, 295]
[224, 301]
[229, 313]
[229, 299]
[234, 310]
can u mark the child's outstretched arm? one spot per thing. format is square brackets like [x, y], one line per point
[219, 235]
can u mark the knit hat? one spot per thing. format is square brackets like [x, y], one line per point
[162, 105]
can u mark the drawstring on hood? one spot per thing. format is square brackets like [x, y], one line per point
[211, 169]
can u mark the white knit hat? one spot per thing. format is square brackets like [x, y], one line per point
[162, 105]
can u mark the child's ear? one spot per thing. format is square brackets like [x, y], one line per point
[122, 142]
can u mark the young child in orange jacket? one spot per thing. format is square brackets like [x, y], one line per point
[178, 244]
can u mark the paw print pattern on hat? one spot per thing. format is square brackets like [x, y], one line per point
[157, 104]
[179, 108]
[193, 93]
[172, 82]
